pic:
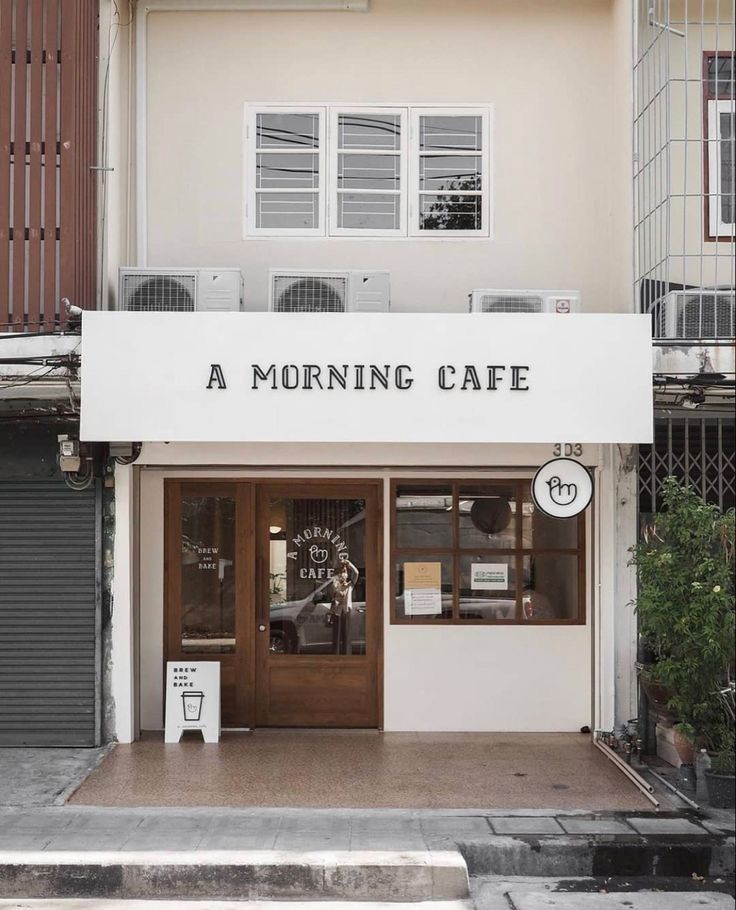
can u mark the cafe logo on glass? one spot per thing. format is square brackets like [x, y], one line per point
[312, 546]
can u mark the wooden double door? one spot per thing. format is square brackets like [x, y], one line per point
[280, 583]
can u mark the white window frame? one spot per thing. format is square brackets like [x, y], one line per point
[717, 228]
[328, 151]
[485, 154]
[250, 170]
[335, 151]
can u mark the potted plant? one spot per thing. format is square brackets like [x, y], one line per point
[685, 607]
[685, 742]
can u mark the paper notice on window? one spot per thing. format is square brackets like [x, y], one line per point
[489, 576]
[422, 588]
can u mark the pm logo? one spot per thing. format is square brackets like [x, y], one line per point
[562, 494]
[562, 488]
[318, 554]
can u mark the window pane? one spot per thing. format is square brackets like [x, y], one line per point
[424, 517]
[287, 210]
[487, 517]
[720, 76]
[728, 162]
[368, 172]
[275, 171]
[542, 532]
[417, 595]
[449, 172]
[450, 133]
[450, 213]
[487, 587]
[207, 574]
[369, 131]
[317, 596]
[550, 587]
[287, 131]
[376, 211]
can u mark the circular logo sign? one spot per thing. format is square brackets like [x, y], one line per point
[562, 488]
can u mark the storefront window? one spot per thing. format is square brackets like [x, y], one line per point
[207, 574]
[481, 552]
[317, 576]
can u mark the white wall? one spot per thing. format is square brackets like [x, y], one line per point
[435, 678]
[548, 69]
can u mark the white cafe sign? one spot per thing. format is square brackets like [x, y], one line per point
[390, 377]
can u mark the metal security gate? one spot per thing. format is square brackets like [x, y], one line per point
[697, 450]
[49, 619]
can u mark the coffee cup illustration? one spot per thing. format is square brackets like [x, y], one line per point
[192, 703]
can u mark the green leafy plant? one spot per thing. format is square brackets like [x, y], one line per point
[724, 761]
[686, 606]
[687, 731]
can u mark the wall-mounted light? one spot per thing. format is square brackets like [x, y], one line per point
[275, 529]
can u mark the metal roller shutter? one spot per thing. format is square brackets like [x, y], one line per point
[48, 614]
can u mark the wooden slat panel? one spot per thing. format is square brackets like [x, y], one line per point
[19, 171]
[50, 219]
[6, 32]
[34, 187]
[69, 106]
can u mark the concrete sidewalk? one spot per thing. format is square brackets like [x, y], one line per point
[154, 828]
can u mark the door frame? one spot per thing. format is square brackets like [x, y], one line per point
[251, 586]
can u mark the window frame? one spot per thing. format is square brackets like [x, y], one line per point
[334, 152]
[415, 113]
[713, 103]
[522, 487]
[328, 168]
[250, 170]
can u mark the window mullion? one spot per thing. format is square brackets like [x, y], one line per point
[456, 552]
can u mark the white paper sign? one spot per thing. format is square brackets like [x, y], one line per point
[192, 699]
[489, 576]
[422, 602]
[392, 377]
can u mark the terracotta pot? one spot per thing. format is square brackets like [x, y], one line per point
[685, 749]
[657, 693]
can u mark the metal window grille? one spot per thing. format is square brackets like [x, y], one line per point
[493, 303]
[309, 293]
[683, 64]
[699, 451]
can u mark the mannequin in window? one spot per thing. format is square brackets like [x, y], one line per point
[341, 607]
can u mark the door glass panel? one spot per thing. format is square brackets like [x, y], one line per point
[208, 574]
[317, 593]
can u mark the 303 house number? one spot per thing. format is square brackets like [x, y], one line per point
[568, 449]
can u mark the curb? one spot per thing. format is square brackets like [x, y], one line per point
[245, 875]
[558, 856]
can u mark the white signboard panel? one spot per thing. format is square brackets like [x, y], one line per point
[192, 699]
[390, 377]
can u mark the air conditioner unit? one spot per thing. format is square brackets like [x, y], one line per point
[308, 291]
[695, 314]
[486, 300]
[180, 290]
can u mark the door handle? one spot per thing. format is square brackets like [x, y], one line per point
[261, 627]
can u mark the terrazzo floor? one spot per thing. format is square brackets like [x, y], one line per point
[349, 769]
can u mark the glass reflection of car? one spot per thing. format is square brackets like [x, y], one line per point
[304, 626]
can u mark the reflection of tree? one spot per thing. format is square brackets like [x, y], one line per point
[446, 215]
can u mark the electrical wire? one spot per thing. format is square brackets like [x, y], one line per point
[29, 380]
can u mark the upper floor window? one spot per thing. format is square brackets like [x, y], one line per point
[367, 171]
[720, 136]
